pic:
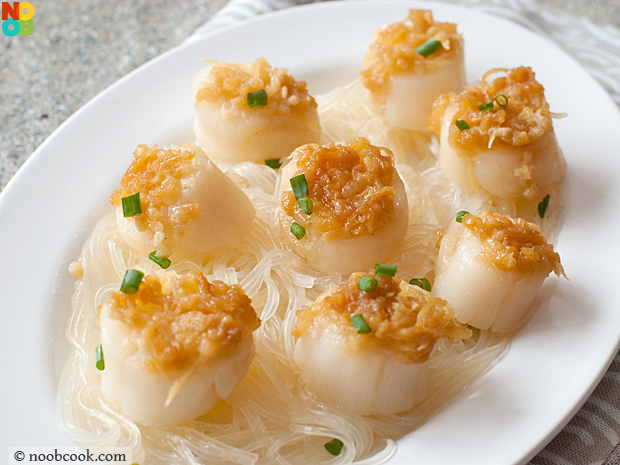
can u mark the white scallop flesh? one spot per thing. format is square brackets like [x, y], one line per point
[225, 217]
[250, 135]
[140, 394]
[411, 94]
[347, 255]
[369, 382]
[500, 170]
[456, 168]
[482, 295]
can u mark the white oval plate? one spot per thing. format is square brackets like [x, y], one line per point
[52, 204]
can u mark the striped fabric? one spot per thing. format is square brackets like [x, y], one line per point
[592, 436]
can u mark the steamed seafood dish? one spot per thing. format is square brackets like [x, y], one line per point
[285, 290]
[498, 137]
[174, 348]
[491, 267]
[365, 345]
[343, 207]
[409, 64]
[252, 112]
[178, 204]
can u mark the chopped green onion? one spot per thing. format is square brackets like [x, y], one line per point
[131, 281]
[485, 106]
[421, 282]
[385, 270]
[359, 322]
[131, 205]
[366, 283]
[99, 361]
[274, 163]
[462, 124]
[505, 100]
[334, 446]
[429, 47]
[542, 206]
[306, 205]
[300, 186]
[460, 215]
[298, 231]
[257, 99]
[475, 331]
[163, 262]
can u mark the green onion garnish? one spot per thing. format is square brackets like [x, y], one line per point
[462, 124]
[385, 270]
[274, 163]
[163, 262]
[421, 282]
[298, 231]
[359, 322]
[131, 205]
[486, 106]
[460, 215]
[99, 362]
[334, 446]
[429, 47]
[502, 102]
[306, 205]
[257, 99]
[366, 283]
[131, 281]
[542, 206]
[300, 186]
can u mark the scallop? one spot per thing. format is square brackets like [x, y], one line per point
[498, 137]
[175, 347]
[367, 351]
[358, 203]
[190, 208]
[409, 64]
[490, 269]
[252, 112]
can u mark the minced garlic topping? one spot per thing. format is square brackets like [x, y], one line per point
[513, 244]
[394, 49]
[402, 317]
[75, 268]
[229, 84]
[196, 321]
[350, 186]
[523, 120]
[157, 174]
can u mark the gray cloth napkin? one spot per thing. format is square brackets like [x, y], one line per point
[592, 436]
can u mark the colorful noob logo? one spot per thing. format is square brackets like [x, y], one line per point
[17, 19]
